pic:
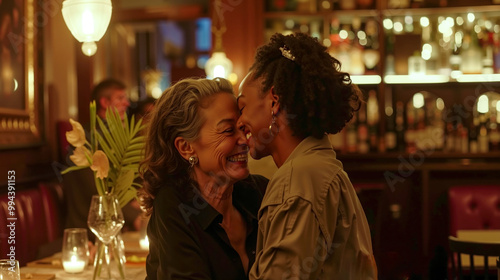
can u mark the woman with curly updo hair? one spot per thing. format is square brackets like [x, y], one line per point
[312, 225]
[202, 201]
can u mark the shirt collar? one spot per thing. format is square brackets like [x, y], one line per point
[309, 144]
[206, 215]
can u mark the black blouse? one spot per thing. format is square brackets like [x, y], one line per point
[186, 240]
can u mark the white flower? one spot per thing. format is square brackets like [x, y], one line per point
[100, 164]
[76, 137]
[79, 157]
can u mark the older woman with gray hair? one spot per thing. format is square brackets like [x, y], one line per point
[202, 201]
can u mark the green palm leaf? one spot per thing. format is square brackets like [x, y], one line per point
[123, 143]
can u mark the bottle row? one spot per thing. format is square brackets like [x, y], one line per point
[413, 45]
[334, 5]
[311, 6]
[422, 124]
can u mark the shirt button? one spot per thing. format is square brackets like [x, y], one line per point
[253, 252]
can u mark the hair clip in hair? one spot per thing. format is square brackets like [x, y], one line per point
[287, 53]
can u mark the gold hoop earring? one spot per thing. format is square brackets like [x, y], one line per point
[273, 126]
[193, 160]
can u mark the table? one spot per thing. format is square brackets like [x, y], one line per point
[479, 236]
[131, 273]
[51, 267]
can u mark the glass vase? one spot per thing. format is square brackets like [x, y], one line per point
[109, 262]
[105, 220]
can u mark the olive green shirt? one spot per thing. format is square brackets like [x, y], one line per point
[311, 223]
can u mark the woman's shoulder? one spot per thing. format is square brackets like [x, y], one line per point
[167, 198]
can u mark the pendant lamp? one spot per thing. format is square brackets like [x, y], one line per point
[218, 65]
[87, 20]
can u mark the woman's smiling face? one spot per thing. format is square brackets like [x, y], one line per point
[221, 147]
[255, 111]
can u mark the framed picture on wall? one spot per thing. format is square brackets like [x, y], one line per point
[20, 82]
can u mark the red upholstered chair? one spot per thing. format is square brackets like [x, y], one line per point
[36, 221]
[4, 230]
[29, 221]
[31, 204]
[53, 206]
[474, 207]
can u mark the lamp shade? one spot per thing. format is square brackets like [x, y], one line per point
[87, 19]
[218, 66]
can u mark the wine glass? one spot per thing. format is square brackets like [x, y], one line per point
[105, 220]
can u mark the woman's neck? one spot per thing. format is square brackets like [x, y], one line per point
[284, 144]
[219, 196]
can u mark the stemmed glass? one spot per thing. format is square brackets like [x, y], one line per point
[105, 220]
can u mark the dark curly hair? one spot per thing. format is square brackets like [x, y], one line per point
[175, 114]
[317, 96]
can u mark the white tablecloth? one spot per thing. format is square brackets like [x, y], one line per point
[131, 273]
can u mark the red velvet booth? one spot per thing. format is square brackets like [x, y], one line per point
[474, 207]
[37, 221]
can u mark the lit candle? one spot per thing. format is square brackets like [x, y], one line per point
[74, 265]
[144, 243]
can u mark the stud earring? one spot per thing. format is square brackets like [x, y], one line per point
[193, 160]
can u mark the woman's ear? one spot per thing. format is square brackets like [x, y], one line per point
[183, 147]
[275, 101]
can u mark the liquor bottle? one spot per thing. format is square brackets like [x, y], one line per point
[417, 4]
[371, 53]
[456, 58]
[307, 6]
[435, 123]
[365, 4]
[390, 140]
[334, 32]
[410, 131]
[400, 129]
[420, 129]
[363, 144]
[496, 52]
[431, 45]
[416, 64]
[473, 134]
[482, 138]
[372, 120]
[357, 66]
[462, 139]
[389, 56]
[494, 134]
[488, 54]
[347, 4]
[450, 137]
[281, 5]
[471, 55]
[398, 4]
[315, 30]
